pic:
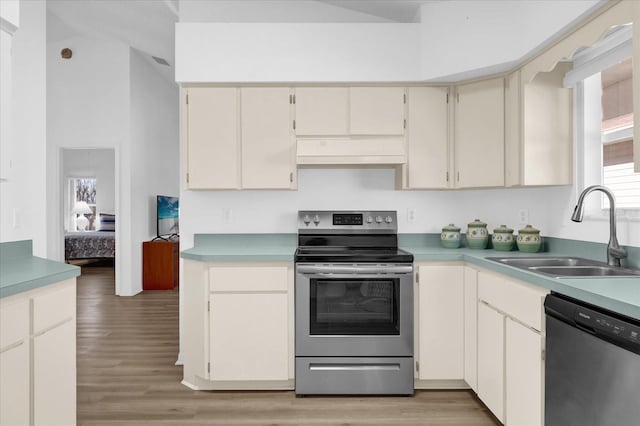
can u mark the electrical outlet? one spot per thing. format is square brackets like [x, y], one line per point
[411, 215]
[523, 216]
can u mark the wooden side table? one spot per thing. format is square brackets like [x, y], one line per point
[160, 265]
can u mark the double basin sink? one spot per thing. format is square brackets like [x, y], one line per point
[566, 267]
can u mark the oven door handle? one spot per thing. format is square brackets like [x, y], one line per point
[347, 269]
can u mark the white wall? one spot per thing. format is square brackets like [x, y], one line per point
[461, 36]
[23, 210]
[154, 152]
[99, 164]
[275, 211]
[269, 11]
[268, 52]
[274, 41]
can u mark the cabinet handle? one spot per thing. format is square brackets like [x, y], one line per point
[447, 176]
[458, 176]
[291, 177]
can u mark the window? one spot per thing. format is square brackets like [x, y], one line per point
[602, 76]
[82, 204]
[617, 136]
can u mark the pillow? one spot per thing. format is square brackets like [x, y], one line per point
[106, 222]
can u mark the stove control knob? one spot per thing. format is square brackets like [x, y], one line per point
[388, 219]
[306, 219]
[378, 219]
[369, 219]
[316, 219]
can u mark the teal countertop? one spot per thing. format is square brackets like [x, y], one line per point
[242, 248]
[21, 271]
[617, 294]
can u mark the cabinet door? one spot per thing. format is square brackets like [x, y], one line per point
[212, 138]
[14, 385]
[524, 371]
[54, 376]
[322, 111]
[249, 336]
[471, 327]
[512, 126]
[14, 360]
[441, 322]
[376, 110]
[479, 134]
[267, 141]
[428, 157]
[491, 359]
[547, 144]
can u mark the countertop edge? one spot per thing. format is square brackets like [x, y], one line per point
[43, 281]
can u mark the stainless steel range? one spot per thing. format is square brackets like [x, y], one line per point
[354, 305]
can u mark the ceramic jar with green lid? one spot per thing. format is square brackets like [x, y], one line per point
[529, 240]
[450, 236]
[477, 235]
[502, 238]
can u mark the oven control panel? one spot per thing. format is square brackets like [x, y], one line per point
[384, 221]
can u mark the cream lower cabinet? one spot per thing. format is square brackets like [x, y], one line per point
[238, 325]
[38, 356]
[510, 349]
[14, 361]
[491, 359]
[471, 327]
[440, 323]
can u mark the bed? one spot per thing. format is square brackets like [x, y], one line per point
[89, 245]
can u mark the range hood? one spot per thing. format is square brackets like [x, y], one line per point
[351, 150]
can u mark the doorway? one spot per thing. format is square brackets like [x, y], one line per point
[89, 213]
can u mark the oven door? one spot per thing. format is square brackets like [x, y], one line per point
[354, 310]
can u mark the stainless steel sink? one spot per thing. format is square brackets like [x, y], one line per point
[566, 267]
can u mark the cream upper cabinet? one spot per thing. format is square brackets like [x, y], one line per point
[427, 137]
[376, 110]
[268, 157]
[343, 111]
[322, 111]
[538, 129]
[212, 136]
[479, 134]
[441, 350]
[239, 138]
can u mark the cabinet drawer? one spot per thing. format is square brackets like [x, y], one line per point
[252, 279]
[519, 300]
[54, 306]
[14, 322]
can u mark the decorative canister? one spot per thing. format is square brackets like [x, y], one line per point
[477, 235]
[502, 238]
[450, 237]
[529, 239]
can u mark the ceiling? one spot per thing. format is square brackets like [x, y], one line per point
[149, 25]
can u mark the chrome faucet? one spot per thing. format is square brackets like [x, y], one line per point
[614, 252]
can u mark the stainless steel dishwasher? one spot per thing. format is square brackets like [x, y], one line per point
[592, 375]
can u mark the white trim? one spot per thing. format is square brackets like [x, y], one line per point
[614, 49]
[7, 26]
[618, 135]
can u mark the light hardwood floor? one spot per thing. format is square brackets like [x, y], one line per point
[127, 347]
